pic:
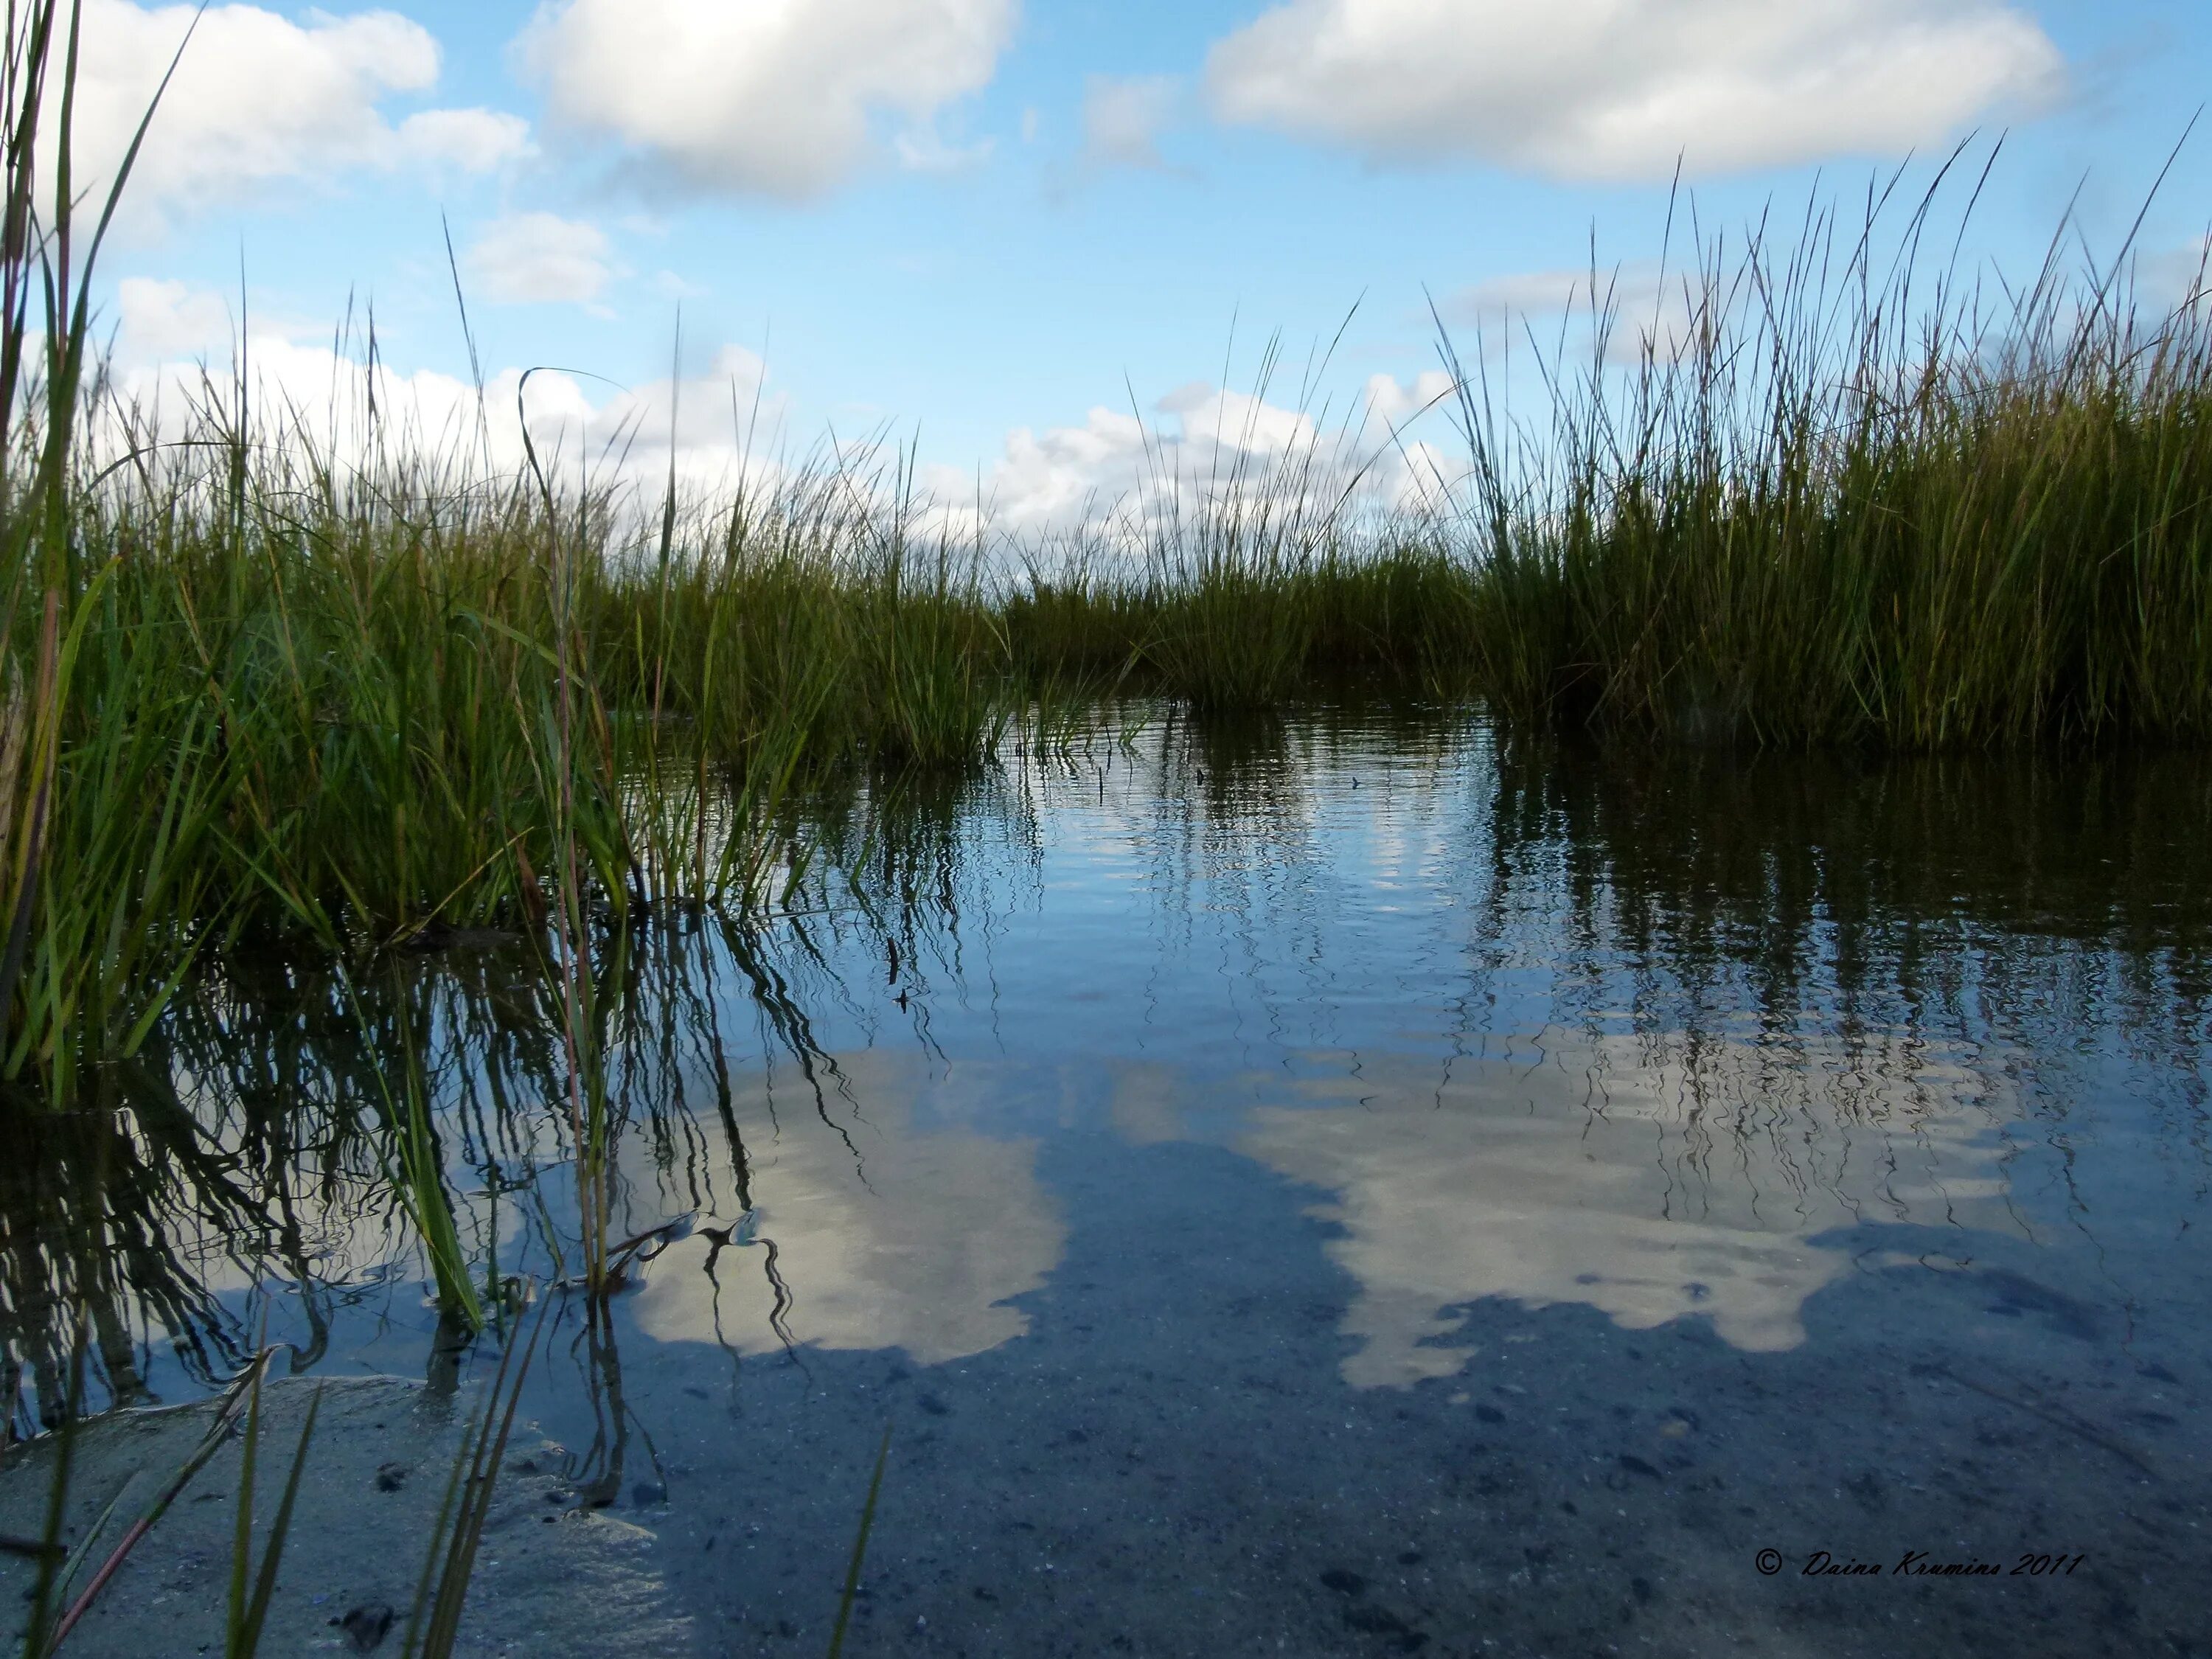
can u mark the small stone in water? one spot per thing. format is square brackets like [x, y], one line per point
[367, 1625]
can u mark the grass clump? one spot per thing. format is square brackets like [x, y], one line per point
[1816, 510]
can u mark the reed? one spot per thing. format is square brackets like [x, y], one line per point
[262, 687]
[416, 1172]
[1828, 508]
[351, 709]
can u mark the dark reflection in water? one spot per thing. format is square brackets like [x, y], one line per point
[1204, 1088]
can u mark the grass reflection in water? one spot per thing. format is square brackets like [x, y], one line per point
[1673, 1038]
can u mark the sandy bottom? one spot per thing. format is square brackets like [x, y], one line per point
[1174, 1459]
[553, 1578]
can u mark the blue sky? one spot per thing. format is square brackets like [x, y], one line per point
[974, 218]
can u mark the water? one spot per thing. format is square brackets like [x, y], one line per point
[1344, 1187]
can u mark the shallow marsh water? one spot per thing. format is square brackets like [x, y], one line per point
[1336, 1187]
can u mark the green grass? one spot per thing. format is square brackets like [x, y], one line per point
[289, 702]
[257, 691]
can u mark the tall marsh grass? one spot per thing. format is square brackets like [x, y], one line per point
[258, 688]
[1821, 505]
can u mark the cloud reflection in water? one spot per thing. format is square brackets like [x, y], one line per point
[915, 1237]
[1646, 1191]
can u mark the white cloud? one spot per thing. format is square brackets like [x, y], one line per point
[704, 420]
[1199, 451]
[158, 321]
[473, 140]
[1396, 403]
[1122, 119]
[711, 423]
[1558, 310]
[1536, 294]
[259, 99]
[539, 258]
[762, 95]
[674, 285]
[1063, 476]
[1211, 450]
[1618, 89]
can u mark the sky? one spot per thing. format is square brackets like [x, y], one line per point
[1032, 239]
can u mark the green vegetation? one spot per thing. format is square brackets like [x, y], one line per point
[1873, 522]
[262, 686]
[266, 693]
[859, 1550]
[270, 695]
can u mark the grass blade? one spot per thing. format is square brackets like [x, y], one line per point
[226, 1417]
[859, 1549]
[248, 1638]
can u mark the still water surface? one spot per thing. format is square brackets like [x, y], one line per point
[1339, 1186]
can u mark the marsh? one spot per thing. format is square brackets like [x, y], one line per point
[1356, 1183]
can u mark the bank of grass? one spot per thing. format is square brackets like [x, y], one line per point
[1956, 538]
[290, 699]
[265, 689]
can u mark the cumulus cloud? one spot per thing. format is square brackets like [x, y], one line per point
[1641, 311]
[539, 258]
[471, 140]
[1501, 300]
[704, 422]
[707, 422]
[1209, 449]
[1132, 477]
[1619, 89]
[762, 95]
[161, 321]
[258, 99]
[1395, 405]
[1122, 119]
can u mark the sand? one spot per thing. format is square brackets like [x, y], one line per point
[553, 1578]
